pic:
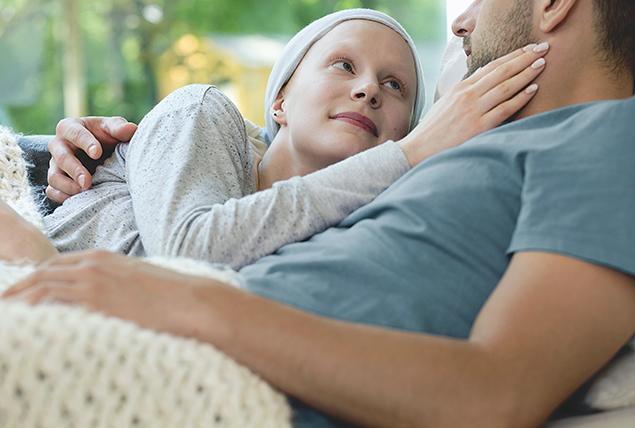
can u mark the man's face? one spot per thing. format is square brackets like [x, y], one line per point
[502, 27]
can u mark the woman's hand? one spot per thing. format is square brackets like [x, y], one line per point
[22, 241]
[68, 173]
[479, 103]
[128, 288]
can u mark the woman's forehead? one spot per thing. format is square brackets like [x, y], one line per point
[363, 31]
[368, 36]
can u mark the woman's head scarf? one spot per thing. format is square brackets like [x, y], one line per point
[294, 51]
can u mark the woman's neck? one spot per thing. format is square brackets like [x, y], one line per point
[277, 164]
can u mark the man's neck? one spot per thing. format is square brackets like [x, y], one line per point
[572, 81]
[550, 102]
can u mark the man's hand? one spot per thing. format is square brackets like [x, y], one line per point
[96, 137]
[121, 286]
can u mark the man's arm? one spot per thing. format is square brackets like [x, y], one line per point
[552, 322]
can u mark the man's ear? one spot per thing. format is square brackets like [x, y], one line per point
[278, 112]
[554, 13]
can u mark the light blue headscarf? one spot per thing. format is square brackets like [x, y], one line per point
[295, 50]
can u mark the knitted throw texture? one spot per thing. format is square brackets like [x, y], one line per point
[62, 366]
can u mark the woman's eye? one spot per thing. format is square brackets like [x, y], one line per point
[394, 85]
[344, 66]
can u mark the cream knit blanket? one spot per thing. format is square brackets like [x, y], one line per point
[61, 366]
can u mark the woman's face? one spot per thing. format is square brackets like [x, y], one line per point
[354, 89]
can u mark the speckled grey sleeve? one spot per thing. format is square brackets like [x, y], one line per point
[188, 157]
[98, 218]
[187, 185]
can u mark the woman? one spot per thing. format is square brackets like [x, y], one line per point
[187, 199]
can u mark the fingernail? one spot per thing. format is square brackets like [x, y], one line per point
[81, 179]
[531, 88]
[530, 47]
[541, 47]
[538, 63]
[92, 151]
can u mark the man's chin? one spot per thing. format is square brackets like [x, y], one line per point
[474, 62]
[470, 70]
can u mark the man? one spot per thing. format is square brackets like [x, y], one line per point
[481, 289]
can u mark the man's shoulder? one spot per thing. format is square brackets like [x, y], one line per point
[583, 130]
[614, 114]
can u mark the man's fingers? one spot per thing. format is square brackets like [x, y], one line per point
[54, 270]
[95, 136]
[71, 183]
[18, 288]
[31, 296]
[76, 261]
[68, 269]
[63, 156]
[65, 162]
[52, 292]
[55, 195]
[78, 133]
[120, 128]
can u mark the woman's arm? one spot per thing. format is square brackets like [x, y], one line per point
[188, 170]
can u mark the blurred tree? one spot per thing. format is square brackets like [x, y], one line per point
[123, 39]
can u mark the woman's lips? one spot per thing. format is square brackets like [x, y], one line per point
[357, 119]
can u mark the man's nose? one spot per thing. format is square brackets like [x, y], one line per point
[465, 23]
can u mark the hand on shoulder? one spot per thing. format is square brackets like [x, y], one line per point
[96, 137]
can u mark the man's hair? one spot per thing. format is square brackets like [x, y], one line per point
[613, 23]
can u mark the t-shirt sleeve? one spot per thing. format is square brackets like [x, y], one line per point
[578, 196]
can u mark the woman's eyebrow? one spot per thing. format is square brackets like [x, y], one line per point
[339, 50]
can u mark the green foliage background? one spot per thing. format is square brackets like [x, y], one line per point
[121, 46]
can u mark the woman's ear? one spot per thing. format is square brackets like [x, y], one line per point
[554, 13]
[278, 112]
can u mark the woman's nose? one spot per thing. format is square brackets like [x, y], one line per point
[465, 23]
[368, 91]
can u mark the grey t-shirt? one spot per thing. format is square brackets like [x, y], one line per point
[426, 254]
